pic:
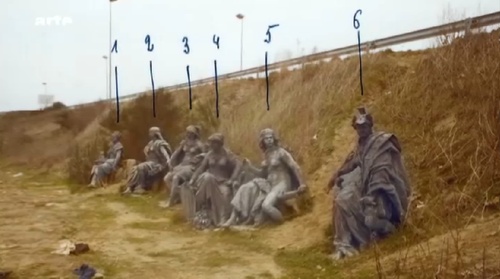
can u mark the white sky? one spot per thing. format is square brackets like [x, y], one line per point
[69, 58]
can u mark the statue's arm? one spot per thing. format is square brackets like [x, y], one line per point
[146, 148]
[288, 159]
[349, 165]
[178, 152]
[164, 152]
[117, 158]
[260, 172]
[237, 166]
[204, 147]
[203, 166]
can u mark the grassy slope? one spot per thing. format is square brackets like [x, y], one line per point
[442, 104]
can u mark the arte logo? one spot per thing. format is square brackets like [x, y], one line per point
[53, 21]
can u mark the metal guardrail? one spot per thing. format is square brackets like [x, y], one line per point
[427, 33]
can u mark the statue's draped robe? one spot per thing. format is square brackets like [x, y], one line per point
[105, 166]
[380, 175]
[249, 198]
[146, 173]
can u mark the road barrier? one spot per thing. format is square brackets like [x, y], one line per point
[465, 25]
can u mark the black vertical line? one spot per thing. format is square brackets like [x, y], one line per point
[360, 63]
[153, 86]
[216, 90]
[267, 83]
[189, 83]
[117, 96]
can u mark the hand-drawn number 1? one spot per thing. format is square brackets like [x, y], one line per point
[355, 21]
[215, 40]
[186, 45]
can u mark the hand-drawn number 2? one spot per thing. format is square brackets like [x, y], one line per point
[186, 45]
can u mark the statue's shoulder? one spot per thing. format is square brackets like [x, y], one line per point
[118, 145]
[285, 151]
[389, 137]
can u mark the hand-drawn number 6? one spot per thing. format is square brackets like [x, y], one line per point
[355, 21]
[186, 45]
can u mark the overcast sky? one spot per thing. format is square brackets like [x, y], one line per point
[69, 57]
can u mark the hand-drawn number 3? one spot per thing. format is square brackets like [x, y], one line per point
[186, 45]
[355, 21]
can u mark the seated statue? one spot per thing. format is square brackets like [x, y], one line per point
[105, 165]
[277, 180]
[143, 175]
[373, 189]
[213, 183]
[183, 163]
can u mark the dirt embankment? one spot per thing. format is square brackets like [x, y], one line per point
[443, 104]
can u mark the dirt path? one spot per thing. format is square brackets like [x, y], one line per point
[129, 237]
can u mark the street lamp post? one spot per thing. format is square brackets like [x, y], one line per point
[108, 92]
[44, 87]
[240, 17]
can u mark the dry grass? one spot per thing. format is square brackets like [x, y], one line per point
[82, 157]
[442, 104]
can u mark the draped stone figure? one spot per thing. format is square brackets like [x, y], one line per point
[213, 183]
[105, 165]
[143, 175]
[373, 189]
[184, 161]
[278, 179]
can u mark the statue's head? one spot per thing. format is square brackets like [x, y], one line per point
[268, 139]
[216, 141]
[193, 132]
[363, 123]
[116, 136]
[155, 133]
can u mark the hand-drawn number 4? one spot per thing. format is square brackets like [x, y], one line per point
[215, 40]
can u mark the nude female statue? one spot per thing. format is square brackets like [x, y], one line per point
[105, 165]
[158, 154]
[213, 181]
[184, 161]
[278, 179]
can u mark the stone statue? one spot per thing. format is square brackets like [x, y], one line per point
[214, 180]
[184, 161]
[278, 179]
[105, 165]
[143, 175]
[373, 189]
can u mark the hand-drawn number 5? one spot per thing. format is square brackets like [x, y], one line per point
[268, 33]
[355, 21]
[186, 45]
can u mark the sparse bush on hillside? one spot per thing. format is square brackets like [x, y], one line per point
[446, 114]
[76, 120]
[82, 157]
[137, 117]
[58, 105]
